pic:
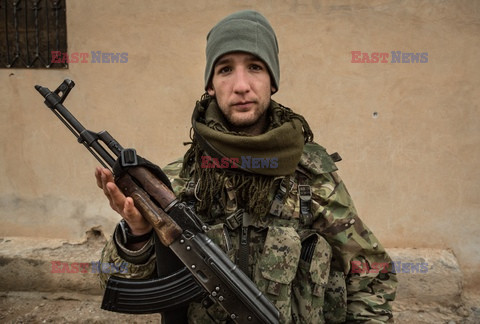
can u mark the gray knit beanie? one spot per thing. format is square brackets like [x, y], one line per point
[246, 31]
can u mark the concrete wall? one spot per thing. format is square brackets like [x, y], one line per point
[409, 133]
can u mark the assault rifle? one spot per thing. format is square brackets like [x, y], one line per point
[204, 272]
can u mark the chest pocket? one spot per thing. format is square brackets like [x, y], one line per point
[276, 268]
[311, 279]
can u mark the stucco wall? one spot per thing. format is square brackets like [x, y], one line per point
[409, 133]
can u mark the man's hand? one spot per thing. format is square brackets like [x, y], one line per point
[121, 204]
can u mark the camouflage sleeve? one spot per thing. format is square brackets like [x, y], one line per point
[370, 284]
[127, 264]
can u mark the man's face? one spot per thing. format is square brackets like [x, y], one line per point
[241, 84]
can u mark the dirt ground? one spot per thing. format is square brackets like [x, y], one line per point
[28, 307]
[33, 306]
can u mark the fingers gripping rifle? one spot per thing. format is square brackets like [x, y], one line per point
[177, 227]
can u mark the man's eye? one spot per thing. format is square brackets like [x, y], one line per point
[256, 67]
[224, 69]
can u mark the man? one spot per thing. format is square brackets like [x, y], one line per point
[271, 196]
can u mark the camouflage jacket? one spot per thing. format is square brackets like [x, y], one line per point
[300, 255]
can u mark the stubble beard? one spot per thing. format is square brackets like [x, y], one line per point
[254, 124]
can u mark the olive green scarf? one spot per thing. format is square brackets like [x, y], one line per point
[282, 142]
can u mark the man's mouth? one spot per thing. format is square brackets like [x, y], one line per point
[243, 104]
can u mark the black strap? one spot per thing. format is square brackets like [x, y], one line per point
[244, 250]
[278, 201]
[305, 197]
[336, 157]
[122, 164]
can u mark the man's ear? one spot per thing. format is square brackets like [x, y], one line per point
[211, 91]
[273, 89]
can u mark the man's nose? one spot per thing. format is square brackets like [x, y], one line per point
[242, 82]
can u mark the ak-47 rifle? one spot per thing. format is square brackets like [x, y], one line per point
[204, 271]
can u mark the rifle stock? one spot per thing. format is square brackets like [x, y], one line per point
[176, 226]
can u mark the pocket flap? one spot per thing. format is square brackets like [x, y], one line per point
[281, 254]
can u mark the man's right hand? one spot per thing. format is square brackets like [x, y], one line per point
[120, 203]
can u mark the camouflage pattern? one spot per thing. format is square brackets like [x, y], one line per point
[316, 159]
[276, 267]
[313, 287]
[335, 301]
[133, 271]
